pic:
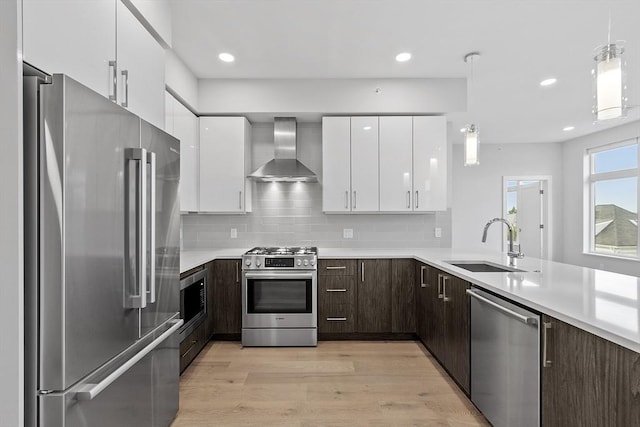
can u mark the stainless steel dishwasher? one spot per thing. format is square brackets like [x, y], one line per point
[505, 361]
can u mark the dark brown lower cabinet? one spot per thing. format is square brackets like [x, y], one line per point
[191, 346]
[227, 296]
[403, 302]
[209, 322]
[373, 295]
[586, 380]
[421, 276]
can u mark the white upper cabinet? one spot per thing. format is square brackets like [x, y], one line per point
[364, 164]
[430, 163]
[336, 164]
[225, 162]
[396, 167]
[140, 69]
[74, 37]
[183, 124]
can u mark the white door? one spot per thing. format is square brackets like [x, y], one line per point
[429, 163]
[364, 164]
[396, 175]
[74, 37]
[529, 218]
[222, 164]
[185, 128]
[140, 69]
[336, 164]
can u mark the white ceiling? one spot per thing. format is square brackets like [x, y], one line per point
[521, 42]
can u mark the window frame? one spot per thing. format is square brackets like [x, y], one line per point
[592, 178]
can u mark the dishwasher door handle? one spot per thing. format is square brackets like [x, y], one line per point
[524, 319]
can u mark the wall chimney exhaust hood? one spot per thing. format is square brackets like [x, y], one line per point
[284, 167]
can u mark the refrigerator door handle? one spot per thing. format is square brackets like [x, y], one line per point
[136, 298]
[90, 391]
[151, 242]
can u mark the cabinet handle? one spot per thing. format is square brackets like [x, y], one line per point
[362, 270]
[193, 344]
[125, 79]
[336, 319]
[114, 81]
[440, 286]
[417, 199]
[354, 200]
[346, 199]
[240, 200]
[336, 290]
[546, 363]
[409, 199]
[445, 298]
[341, 267]
[422, 270]
[237, 272]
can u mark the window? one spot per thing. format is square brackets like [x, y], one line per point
[613, 199]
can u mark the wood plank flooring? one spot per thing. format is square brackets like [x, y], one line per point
[338, 383]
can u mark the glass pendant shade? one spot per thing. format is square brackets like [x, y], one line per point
[471, 146]
[610, 87]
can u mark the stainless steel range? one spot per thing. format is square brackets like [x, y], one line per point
[279, 297]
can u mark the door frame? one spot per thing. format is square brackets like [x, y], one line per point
[547, 217]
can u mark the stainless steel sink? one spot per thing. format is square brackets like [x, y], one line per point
[484, 267]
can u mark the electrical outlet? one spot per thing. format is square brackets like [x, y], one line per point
[437, 232]
[234, 233]
[347, 233]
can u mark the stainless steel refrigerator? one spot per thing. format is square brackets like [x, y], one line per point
[102, 256]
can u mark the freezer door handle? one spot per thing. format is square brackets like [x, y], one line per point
[90, 391]
[136, 292]
[151, 243]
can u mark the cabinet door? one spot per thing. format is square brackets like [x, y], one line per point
[403, 303]
[396, 176]
[209, 324]
[364, 164]
[222, 164]
[336, 298]
[374, 295]
[227, 307]
[434, 313]
[74, 37]
[589, 381]
[185, 125]
[429, 163]
[336, 164]
[456, 329]
[140, 69]
[421, 283]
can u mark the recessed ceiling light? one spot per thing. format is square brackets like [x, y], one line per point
[548, 82]
[463, 130]
[568, 128]
[367, 128]
[226, 57]
[403, 57]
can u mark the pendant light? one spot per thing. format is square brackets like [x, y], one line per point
[471, 133]
[610, 99]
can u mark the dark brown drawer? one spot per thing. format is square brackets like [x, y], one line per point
[191, 346]
[337, 318]
[336, 267]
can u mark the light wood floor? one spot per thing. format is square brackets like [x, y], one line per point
[338, 383]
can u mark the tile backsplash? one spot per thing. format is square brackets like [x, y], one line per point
[291, 213]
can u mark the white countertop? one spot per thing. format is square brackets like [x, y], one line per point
[603, 303]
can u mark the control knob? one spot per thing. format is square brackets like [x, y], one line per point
[299, 263]
[258, 263]
[313, 262]
[306, 262]
[248, 262]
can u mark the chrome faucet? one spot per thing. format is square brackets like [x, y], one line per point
[512, 254]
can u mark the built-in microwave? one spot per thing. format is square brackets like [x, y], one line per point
[193, 301]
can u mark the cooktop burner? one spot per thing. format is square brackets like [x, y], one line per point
[304, 250]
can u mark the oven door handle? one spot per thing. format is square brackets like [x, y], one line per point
[281, 275]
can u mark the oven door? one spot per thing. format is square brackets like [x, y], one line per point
[279, 299]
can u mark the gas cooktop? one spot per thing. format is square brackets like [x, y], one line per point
[290, 251]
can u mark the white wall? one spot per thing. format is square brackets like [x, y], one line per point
[574, 152]
[11, 242]
[477, 191]
[291, 213]
[331, 96]
[180, 80]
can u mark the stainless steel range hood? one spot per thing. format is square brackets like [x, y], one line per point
[284, 167]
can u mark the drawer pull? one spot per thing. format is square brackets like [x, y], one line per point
[341, 267]
[193, 344]
[336, 319]
[336, 290]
